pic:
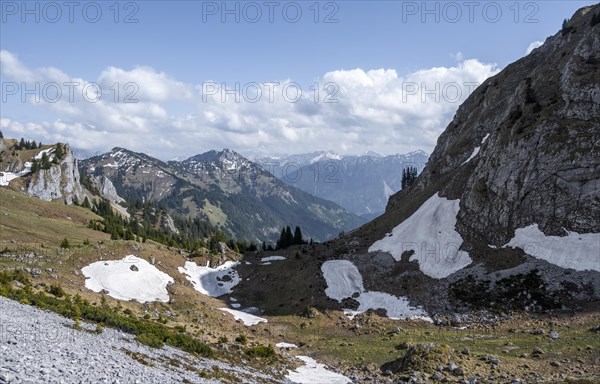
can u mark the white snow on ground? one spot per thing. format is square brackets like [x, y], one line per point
[475, 152]
[284, 345]
[246, 318]
[485, 138]
[272, 258]
[576, 251]
[47, 152]
[213, 282]
[6, 177]
[430, 232]
[314, 373]
[124, 283]
[344, 280]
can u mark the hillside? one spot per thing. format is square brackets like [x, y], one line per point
[224, 188]
[505, 214]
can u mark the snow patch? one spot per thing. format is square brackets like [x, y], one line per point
[209, 281]
[131, 278]
[246, 318]
[314, 373]
[283, 345]
[272, 258]
[580, 252]
[6, 177]
[344, 280]
[430, 232]
[475, 152]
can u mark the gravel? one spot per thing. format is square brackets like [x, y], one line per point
[38, 346]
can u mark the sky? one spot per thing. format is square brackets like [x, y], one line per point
[177, 78]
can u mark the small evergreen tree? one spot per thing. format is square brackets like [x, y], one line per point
[298, 236]
[86, 203]
[1, 135]
[64, 243]
[35, 166]
[59, 152]
[45, 161]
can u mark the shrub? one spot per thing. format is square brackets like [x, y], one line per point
[150, 340]
[64, 243]
[56, 290]
[241, 339]
[261, 351]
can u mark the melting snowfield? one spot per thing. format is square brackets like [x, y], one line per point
[209, 281]
[6, 177]
[344, 280]
[127, 279]
[580, 252]
[314, 373]
[430, 233]
[246, 318]
[272, 258]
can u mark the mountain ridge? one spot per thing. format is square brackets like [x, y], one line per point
[223, 187]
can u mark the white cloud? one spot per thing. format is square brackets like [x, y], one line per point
[533, 46]
[376, 109]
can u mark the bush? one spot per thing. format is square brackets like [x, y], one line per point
[64, 243]
[261, 351]
[241, 339]
[56, 290]
[150, 340]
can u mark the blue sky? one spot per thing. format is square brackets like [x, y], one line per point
[172, 48]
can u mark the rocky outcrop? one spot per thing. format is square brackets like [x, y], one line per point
[60, 182]
[107, 189]
[535, 131]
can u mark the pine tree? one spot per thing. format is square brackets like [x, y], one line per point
[35, 166]
[289, 238]
[1, 135]
[45, 161]
[21, 144]
[59, 153]
[298, 236]
[86, 203]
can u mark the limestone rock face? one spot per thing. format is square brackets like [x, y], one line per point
[59, 182]
[537, 129]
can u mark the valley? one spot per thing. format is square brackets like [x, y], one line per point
[477, 262]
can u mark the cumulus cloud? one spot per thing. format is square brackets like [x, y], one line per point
[351, 110]
[533, 46]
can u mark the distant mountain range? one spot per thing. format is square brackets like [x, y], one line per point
[361, 184]
[225, 188]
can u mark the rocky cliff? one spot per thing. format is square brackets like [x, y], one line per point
[506, 213]
[60, 182]
[534, 131]
[39, 172]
